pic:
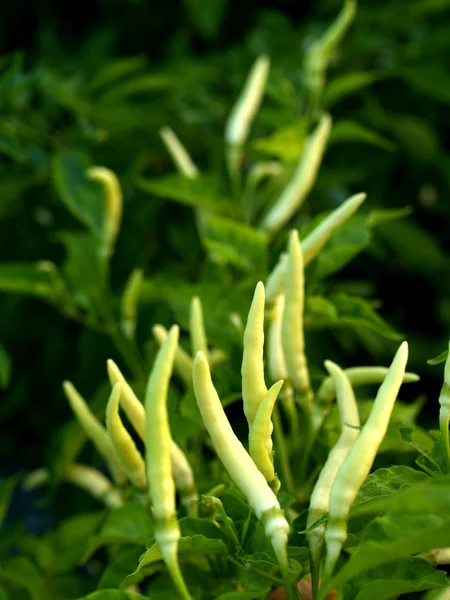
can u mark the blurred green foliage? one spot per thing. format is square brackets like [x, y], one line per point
[93, 86]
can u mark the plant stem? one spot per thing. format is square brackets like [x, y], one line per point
[279, 545]
[282, 451]
[444, 418]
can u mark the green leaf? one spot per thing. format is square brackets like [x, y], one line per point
[437, 360]
[286, 143]
[27, 279]
[379, 216]
[82, 197]
[119, 568]
[191, 527]
[396, 535]
[417, 137]
[391, 580]
[7, 487]
[207, 15]
[342, 86]
[129, 524]
[203, 192]
[83, 269]
[114, 595]
[20, 571]
[343, 246]
[237, 596]
[357, 312]
[350, 131]
[5, 367]
[432, 80]
[386, 482]
[320, 312]
[230, 242]
[197, 544]
[61, 550]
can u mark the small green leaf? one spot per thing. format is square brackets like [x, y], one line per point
[60, 550]
[27, 279]
[379, 216]
[5, 367]
[286, 143]
[341, 87]
[129, 524]
[22, 571]
[343, 246]
[230, 242]
[357, 312]
[202, 192]
[82, 197]
[7, 487]
[207, 15]
[320, 312]
[350, 131]
[437, 360]
[396, 578]
[119, 568]
[114, 595]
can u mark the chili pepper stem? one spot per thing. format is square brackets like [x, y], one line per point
[282, 452]
[279, 542]
[444, 419]
[170, 554]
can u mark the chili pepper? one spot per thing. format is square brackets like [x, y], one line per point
[357, 376]
[359, 460]
[319, 54]
[275, 280]
[292, 334]
[320, 498]
[312, 244]
[277, 365]
[83, 476]
[179, 154]
[183, 362]
[95, 432]
[303, 179]
[94, 482]
[253, 384]
[444, 412]
[123, 443]
[197, 328]
[113, 205]
[316, 240]
[158, 443]
[246, 107]
[135, 412]
[239, 464]
[260, 431]
[129, 302]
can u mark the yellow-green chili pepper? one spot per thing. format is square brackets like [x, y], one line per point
[95, 432]
[113, 205]
[320, 498]
[129, 302]
[182, 472]
[357, 376]
[316, 240]
[239, 464]
[123, 443]
[319, 54]
[183, 362]
[158, 443]
[359, 460]
[312, 244]
[292, 333]
[179, 154]
[260, 431]
[303, 179]
[444, 412]
[246, 107]
[197, 332]
[253, 384]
